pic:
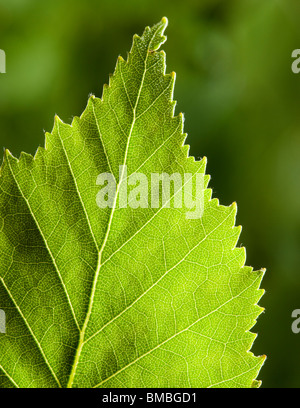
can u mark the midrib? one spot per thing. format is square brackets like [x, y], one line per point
[99, 263]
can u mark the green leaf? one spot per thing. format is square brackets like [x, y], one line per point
[121, 297]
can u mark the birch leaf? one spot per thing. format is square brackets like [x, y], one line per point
[132, 294]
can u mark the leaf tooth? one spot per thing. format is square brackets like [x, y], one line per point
[8, 154]
[207, 178]
[75, 121]
[47, 140]
[209, 192]
[204, 158]
[260, 309]
[182, 119]
[255, 384]
[104, 91]
[185, 149]
[26, 158]
[236, 232]
[40, 153]
[59, 123]
[57, 119]
[260, 275]
[93, 100]
[121, 59]
[173, 105]
[262, 271]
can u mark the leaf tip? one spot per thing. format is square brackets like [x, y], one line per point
[165, 21]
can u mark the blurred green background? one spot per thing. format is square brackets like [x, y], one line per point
[241, 103]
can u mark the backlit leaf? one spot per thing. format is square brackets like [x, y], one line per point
[121, 296]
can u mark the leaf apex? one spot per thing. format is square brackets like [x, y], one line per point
[70, 146]
[165, 21]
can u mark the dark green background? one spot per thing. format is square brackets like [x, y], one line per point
[241, 103]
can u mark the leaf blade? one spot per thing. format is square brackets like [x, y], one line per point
[130, 284]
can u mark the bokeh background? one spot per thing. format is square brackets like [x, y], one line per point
[242, 110]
